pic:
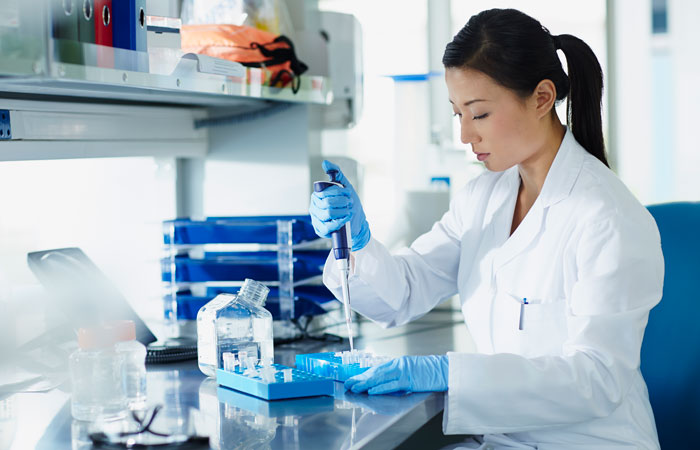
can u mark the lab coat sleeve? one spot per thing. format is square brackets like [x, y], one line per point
[619, 279]
[395, 289]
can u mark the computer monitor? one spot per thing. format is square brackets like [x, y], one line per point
[84, 293]
[86, 297]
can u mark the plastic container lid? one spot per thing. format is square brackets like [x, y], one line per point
[254, 292]
[91, 338]
[122, 330]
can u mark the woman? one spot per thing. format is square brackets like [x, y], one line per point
[556, 263]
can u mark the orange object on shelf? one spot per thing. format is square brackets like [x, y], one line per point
[249, 46]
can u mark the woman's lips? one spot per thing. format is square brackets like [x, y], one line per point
[482, 156]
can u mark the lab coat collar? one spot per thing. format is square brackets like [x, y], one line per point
[557, 186]
[563, 172]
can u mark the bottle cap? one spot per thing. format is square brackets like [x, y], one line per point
[254, 291]
[122, 330]
[90, 338]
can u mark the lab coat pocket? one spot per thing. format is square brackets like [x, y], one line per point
[542, 326]
[530, 329]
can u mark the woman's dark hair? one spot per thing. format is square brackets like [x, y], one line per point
[518, 52]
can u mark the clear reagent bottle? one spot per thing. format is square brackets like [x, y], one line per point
[96, 376]
[235, 323]
[134, 361]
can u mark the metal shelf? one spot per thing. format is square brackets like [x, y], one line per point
[31, 65]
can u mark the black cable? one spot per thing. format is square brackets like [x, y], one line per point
[163, 355]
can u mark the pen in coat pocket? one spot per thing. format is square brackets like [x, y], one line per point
[522, 312]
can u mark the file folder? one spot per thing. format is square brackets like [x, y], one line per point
[129, 33]
[125, 19]
[64, 19]
[141, 35]
[103, 22]
[86, 21]
[103, 33]
[64, 24]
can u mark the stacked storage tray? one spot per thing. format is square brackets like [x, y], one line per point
[215, 255]
[226, 266]
[236, 230]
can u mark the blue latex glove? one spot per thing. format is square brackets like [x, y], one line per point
[333, 207]
[407, 374]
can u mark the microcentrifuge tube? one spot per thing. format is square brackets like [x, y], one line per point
[287, 374]
[268, 374]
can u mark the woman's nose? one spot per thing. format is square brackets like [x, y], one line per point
[468, 134]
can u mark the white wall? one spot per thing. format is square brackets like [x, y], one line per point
[260, 167]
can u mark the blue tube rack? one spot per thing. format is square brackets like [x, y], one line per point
[328, 365]
[278, 408]
[303, 384]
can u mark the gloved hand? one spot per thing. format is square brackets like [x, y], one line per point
[333, 207]
[408, 373]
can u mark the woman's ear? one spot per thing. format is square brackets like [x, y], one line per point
[544, 96]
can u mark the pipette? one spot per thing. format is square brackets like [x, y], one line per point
[341, 250]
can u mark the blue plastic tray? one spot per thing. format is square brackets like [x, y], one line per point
[237, 230]
[327, 365]
[309, 301]
[303, 384]
[237, 266]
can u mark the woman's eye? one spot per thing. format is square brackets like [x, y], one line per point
[482, 116]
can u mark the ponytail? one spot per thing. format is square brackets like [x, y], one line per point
[517, 52]
[583, 105]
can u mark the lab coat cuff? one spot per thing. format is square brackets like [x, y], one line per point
[451, 418]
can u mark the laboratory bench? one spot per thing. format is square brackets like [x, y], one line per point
[234, 420]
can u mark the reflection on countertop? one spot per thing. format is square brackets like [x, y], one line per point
[233, 419]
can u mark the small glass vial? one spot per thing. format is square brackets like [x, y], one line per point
[238, 324]
[134, 361]
[96, 371]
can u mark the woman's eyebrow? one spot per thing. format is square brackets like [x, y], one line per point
[471, 101]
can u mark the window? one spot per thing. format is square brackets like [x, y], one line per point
[110, 207]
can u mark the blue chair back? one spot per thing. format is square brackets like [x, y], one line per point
[670, 360]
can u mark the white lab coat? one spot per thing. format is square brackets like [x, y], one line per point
[588, 259]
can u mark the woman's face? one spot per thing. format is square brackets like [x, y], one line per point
[500, 126]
